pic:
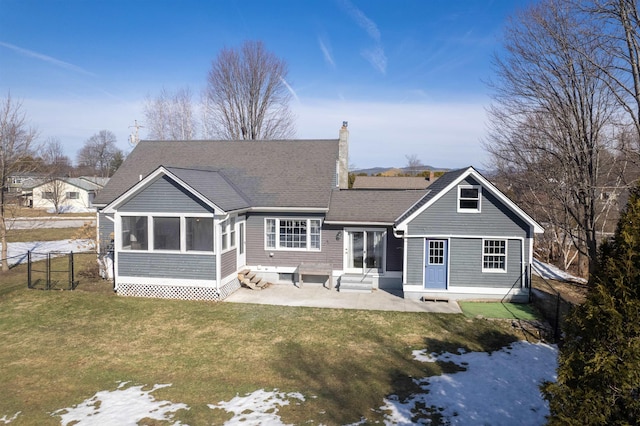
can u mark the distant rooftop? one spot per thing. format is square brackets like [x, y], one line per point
[392, 182]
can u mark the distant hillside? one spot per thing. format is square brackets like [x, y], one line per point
[378, 170]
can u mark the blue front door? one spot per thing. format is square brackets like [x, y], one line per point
[435, 269]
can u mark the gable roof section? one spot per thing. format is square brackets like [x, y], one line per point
[369, 206]
[450, 180]
[269, 174]
[202, 184]
[80, 183]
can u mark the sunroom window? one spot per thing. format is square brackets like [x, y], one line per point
[166, 233]
[134, 233]
[199, 233]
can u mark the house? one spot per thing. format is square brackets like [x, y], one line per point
[64, 193]
[185, 217]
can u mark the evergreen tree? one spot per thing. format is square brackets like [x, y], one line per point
[599, 367]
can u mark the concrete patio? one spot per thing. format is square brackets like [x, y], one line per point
[317, 296]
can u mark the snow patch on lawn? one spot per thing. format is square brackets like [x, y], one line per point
[17, 252]
[122, 407]
[498, 388]
[8, 419]
[552, 272]
[259, 407]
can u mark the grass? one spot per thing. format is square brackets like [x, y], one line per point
[61, 347]
[499, 310]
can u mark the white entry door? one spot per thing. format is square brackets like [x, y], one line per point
[364, 250]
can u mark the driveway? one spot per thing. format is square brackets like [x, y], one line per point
[317, 296]
[50, 222]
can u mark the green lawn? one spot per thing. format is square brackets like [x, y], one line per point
[499, 310]
[61, 347]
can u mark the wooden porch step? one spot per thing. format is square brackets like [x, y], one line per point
[252, 280]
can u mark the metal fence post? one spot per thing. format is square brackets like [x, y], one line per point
[48, 285]
[71, 274]
[556, 327]
[29, 269]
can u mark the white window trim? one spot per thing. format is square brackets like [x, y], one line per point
[506, 252]
[228, 231]
[461, 210]
[277, 232]
[150, 237]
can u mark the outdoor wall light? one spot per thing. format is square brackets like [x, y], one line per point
[339, 236]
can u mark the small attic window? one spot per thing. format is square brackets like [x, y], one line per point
[469, 198]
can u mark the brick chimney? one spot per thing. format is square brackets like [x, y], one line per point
[343, 157]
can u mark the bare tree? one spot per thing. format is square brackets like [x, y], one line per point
[247, 96]
[54, 191]
[170, 115]
[552, 121]
[615, 31]
[414, 165]
[17, 142]
[56, 162]
[98, 152]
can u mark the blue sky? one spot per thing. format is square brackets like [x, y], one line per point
[409, 76]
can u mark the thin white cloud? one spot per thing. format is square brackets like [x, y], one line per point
[326, 52]
[376, 58]
[362, 20]
[46, 58]
[374, 55]
[290, 89]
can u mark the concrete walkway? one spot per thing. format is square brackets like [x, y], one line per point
[317, 296]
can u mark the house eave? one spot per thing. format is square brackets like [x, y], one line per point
[357, 223]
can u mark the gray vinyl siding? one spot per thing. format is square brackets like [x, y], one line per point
[163, 196]
[105, 233]
[331, 246]
[229, 262]
[465, 263]
[415, 260]
[442, 218]
[167, 265]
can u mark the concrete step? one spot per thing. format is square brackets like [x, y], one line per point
[355, 284]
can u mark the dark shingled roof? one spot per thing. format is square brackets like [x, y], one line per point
[213, 186]
[380, 206]
[440, 184]
[291, 173]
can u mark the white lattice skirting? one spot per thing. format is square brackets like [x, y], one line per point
[178, 292]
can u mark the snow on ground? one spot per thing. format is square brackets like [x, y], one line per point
[122, 407]
[17, 252]
[498, 388]
[552, 272]
[259, 407]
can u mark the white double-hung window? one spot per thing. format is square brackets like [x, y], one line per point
[494, 256]
[292, 234]
[469, 198]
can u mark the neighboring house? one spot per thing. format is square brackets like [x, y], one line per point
[66, 193]
[393, 182]
[184, 217]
